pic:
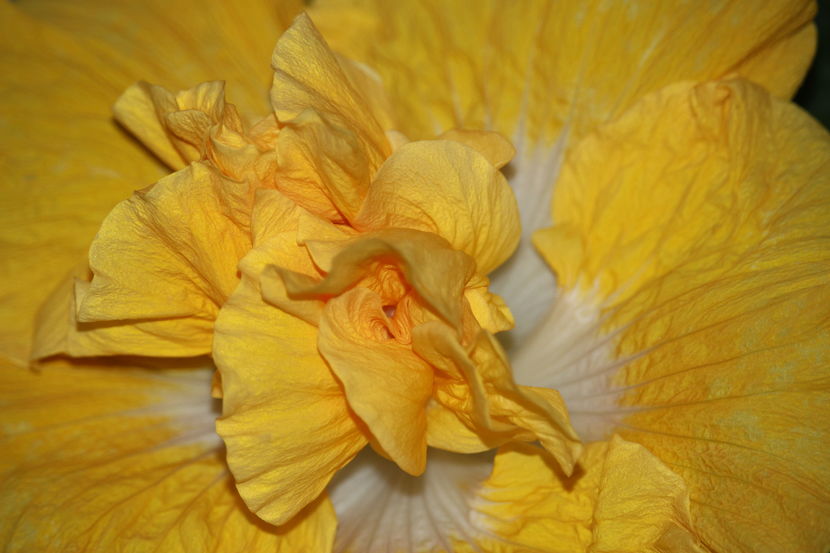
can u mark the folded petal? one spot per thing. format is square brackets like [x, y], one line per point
[286, 424]
[386, 384]
[490, 403]
[116, 458]
[700, 218]
[447, 188]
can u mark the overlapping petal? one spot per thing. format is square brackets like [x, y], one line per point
[64, 163]
[704, 232]
[530, 68]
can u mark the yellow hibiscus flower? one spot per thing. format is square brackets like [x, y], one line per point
[676, 315]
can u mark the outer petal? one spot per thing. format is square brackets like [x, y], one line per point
[529, 68]
[123, 459]
[64, 163]
[622, 499]
[449, 189]
[180, 43]
[705, 229]
[286, 423]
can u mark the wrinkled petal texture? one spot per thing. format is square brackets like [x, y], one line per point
[700, 218]
[104, 458]
[532, 67]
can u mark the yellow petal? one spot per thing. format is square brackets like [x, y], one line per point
[332, 142]
[621, 499]
[64, 163]
[180, 43]
[168, 254]
[386, 384]
[286, 423]
[701, 217]
[105, 458]
[450, 189]
[528, 69]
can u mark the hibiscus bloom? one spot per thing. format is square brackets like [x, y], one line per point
[675, 323]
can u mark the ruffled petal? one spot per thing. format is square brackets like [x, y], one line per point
[386, 384]
[701, 220]
[166, 258]
[286, 423]
[451, 190]
[103, 458]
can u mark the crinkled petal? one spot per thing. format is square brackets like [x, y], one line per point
[435, 271]
[286, 424]
[105, 458]
[701, 219]
[493, 404]
[450, 189]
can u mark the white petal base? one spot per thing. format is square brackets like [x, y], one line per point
[568, 352]
[381, 509]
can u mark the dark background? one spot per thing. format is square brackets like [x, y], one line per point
[814, 95]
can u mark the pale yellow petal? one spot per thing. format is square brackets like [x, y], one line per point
[386, 384]
[621, 499]
[450, 189]
[286, 424]
[114, 458]
[701, 219]
[531, 69]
